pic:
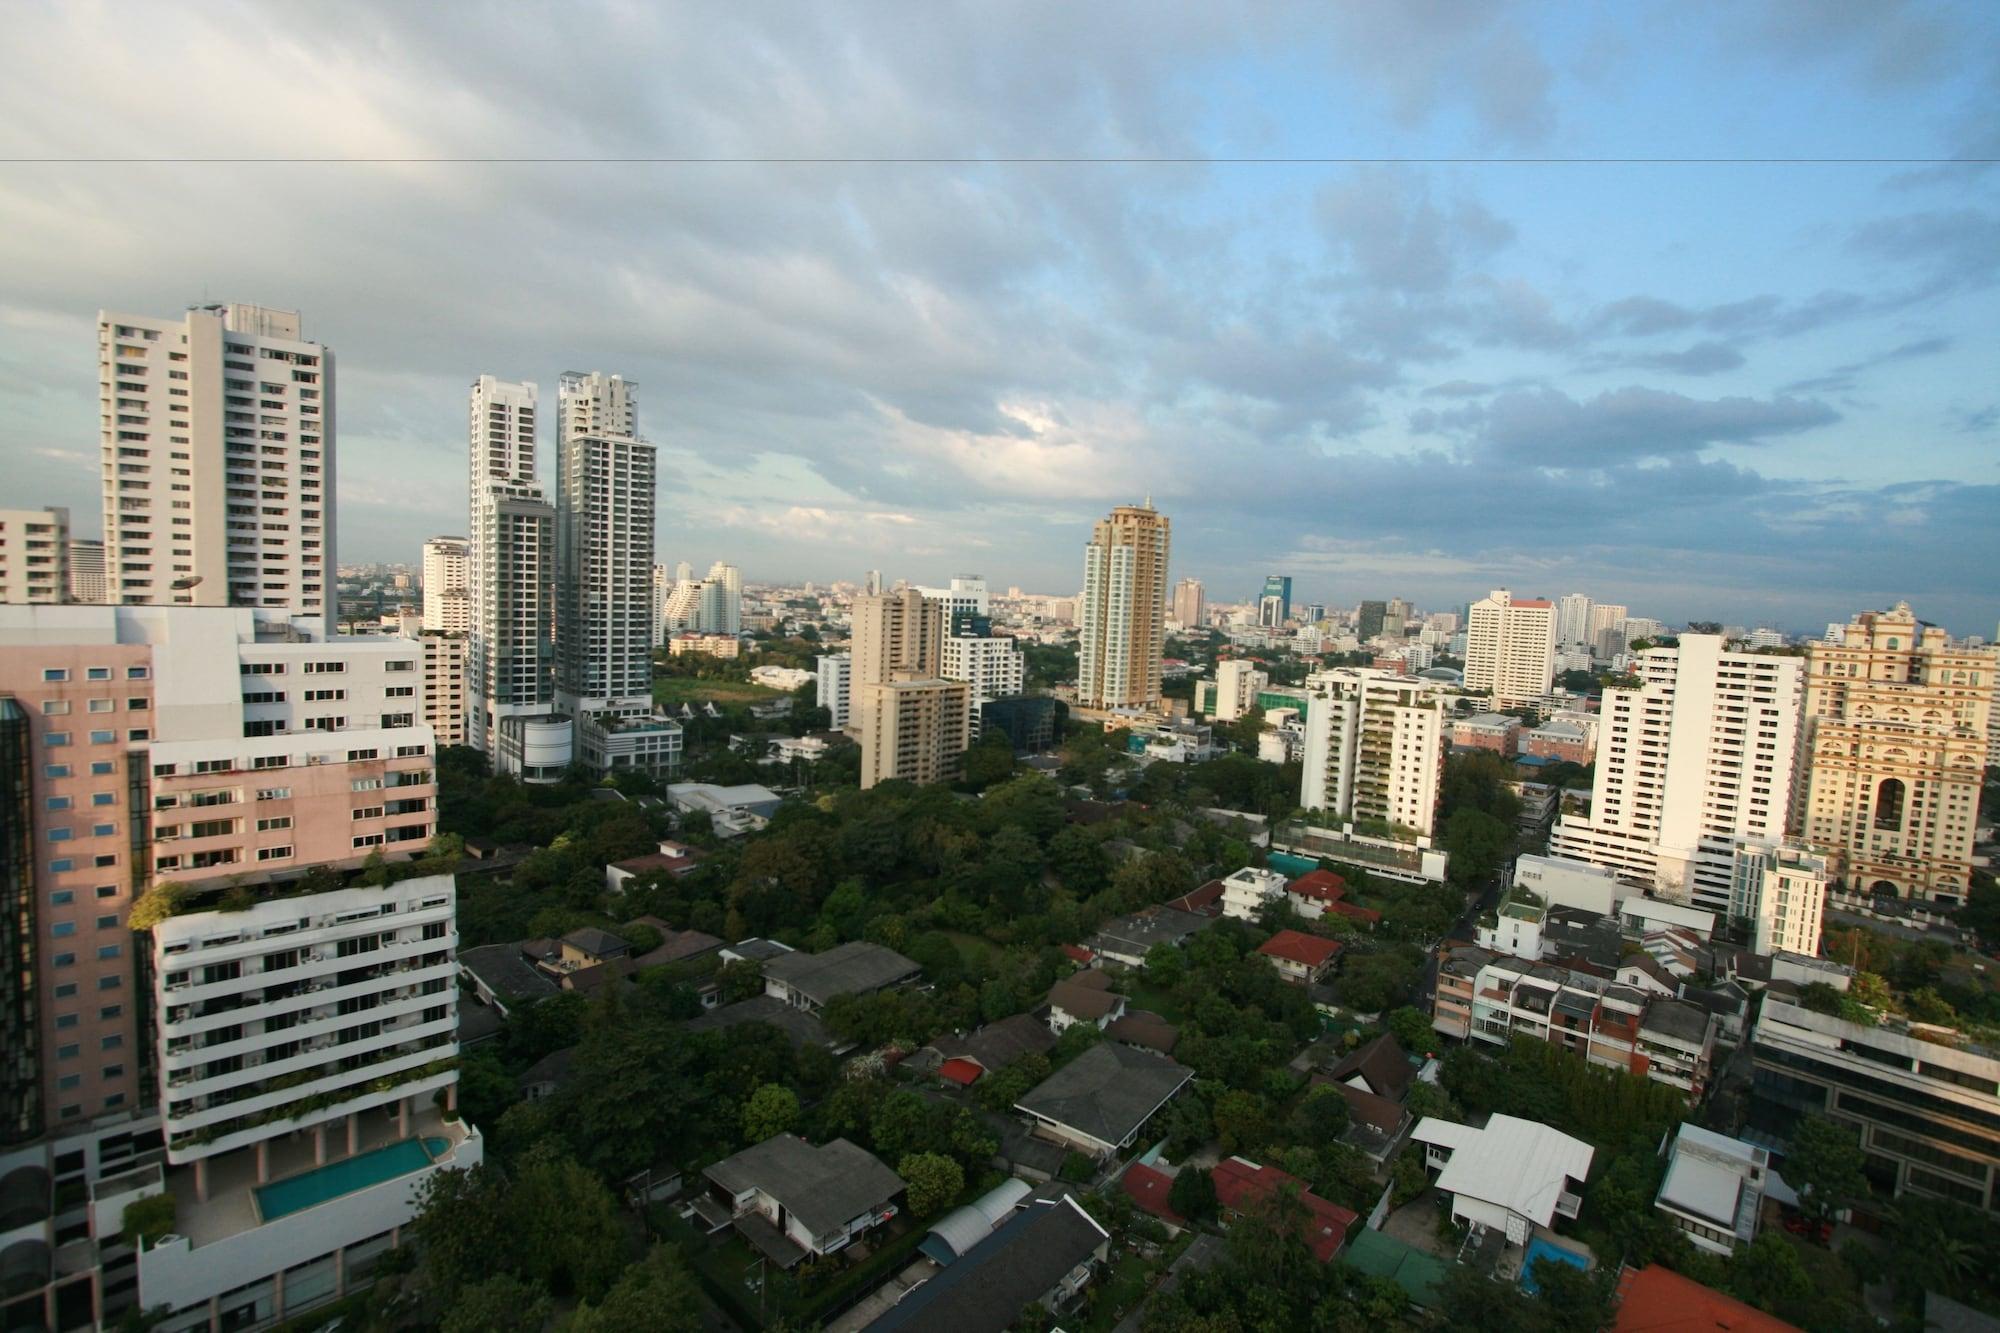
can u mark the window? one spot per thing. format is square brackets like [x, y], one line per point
[97, 673]
[67, 1021]
[275, 822]
[57, 770]
[55, 675]
[62, 897]
[107, 890]
[61, 865]
[55, 708]
[274, 794]
[103, 705]
[112, 982]
[103, 860]
[68, 1052]
[103, 798]
[66, 990]
[111, 1043]
[65, 960]
[56, 803]
[103, 830]
[137, 672]
[103, 738]
[55, 738]
[108, 922]
[357, 756]
[106, 951]
[138, 704]
[274, 853]
[60, 835]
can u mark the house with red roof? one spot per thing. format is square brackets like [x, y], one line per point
[1659, 1300]
[1319, 893]
[1151, 1190]
[1243, 1186]
[1300, 958]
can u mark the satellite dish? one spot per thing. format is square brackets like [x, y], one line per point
[183, 584]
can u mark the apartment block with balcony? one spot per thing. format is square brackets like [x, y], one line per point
[34, 555]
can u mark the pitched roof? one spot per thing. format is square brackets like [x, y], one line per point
[1141, 1027]
[677, 946]
[1204, 901]
[1241, 1185]
[1076, 953]
[1368, 1108]
[1000, 1044]
[1080, 1001]
[503, 970]
[1151, 1189]
[1382, 1064]
[1658, 1300]
[803, 1028]
[1298, 947]
[1319, 885]
[668, 861]
[989, 1286]
[1520, 1165]
[963, 1072]
[824, 1188]
[856, 967]
[1107, 1092]
[597, 943]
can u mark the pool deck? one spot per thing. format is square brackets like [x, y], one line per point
[231, 1207]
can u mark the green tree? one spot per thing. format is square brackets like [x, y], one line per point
[1477, 842]
[772, 1109]
[501, 1303]
[1165, 966]
[463, 1230]
[147, 1219]
[1824, 1166]
[1412, 1028]
[566, 1222]
[1321, 1116]
[934, 1180]
[1193, 1194]
[658, 1293]
[1241, 1120]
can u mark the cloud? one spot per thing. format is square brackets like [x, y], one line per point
[1548, 428]
[1844, 377]
[1703, 358]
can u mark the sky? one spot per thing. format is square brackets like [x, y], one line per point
[1686, 306]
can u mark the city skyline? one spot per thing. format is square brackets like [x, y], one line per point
[1752, 393]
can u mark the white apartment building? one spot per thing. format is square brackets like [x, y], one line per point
[218, 450]
[835, 687]
[1603, 616]
[1123, 611]
[447, 603]
[1572, 620]
[1779, 889]
[1237, 683]
[681, 610]
[993, 667]
[719, 601]
[34, 555]
[595, 404]
[86, 572]
[510, 577]
[1701, 755]
[1250, 890]
[663, 591]
[1374, 748]
[445, 693]
[966, 595]
[1510, 648]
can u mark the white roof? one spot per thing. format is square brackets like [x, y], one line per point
[1674, 914]
[1519, 1165]
[1703, 1187]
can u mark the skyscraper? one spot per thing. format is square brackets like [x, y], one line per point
[1573, 620]
[604, 581]
[1374, 748]
[218, 454]
[1701, 755]
[510, 583]
[911, 722]
[872, 585]
[1606, 618]
[1368, 620]
[447, 604]
[1274, 607]
[721, 601]
[1896, 717]
[1124, 610]
[86, 572]
[1510, 648]
[898, 631]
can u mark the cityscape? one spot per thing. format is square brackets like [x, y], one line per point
[584, 896]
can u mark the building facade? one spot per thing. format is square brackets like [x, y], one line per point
[913, 727]
[1701, 755]
[1123, 613]
[900, 631]
[1274, 604]
[1897, 720]
[1778, 892]
[218, 461]
[1510, 648]
[87, 584]
[835, 680]
[993, 668]
[447, 601]
[1374, 748]
[34, 555]
[1190, 604]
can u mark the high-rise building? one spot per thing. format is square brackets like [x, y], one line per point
[721, 600]
[1274, 605]
[1698, 757]
[1897, 719]
[1604, 616]
[663, 591]
[1368, 620]
[1510, 648]
[992, 666]
[445, 691]
[87, 586]
[1237, 683]
[682, 610]
[1313, 613]
[914, 728]
[1374, 748]
[897, 631]
[447, 603]
[595, 404]
[1778, 892]
[1572, 620]
[604, 578]
[1123, 614]
[872, 585]
[1189, 603]
[34, 555]
[683, 573]
[510, 582]
[835, 689]
[218, 461]
[965, 596]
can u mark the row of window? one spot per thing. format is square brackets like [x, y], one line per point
[56, 675]
[58, 739]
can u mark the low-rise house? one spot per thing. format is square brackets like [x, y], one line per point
[1374, 1079]
[588, 946]
[1086, 997]
[1319, 893]
[1143, 1028]
[1044, 1255]
[1561, 739]
[1300, 958]
[1249, 891]
[504, 976]
[1638, 915]
[958, 1231]
[1497, 732]
[676, 946]
[1457, 981]
[1677, 1040]
[675, 860]
[546, 1076]
[731, 810]
[1097, 1103]
[811, 981]
[792, 1200]
[1243, 1186]
[991, 1048]
[1514, 1176]
[1655, 1298]
[801, 1026]
[1127, 939]
[1151, 1191]
[1713, 1188]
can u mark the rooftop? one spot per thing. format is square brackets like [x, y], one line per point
[1107, 1092]
[1521, 1165]
[1654, 1299]
[1298, 947]
[1080, 1001]
[1141, 1027]
[990, 1285]
[803, 1028]
[1241, 1185]
[854, 968]
[1382, 1064]
[825, 1188]
[1000, 1044]
[503, 970]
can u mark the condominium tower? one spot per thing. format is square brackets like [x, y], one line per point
[34, 555]
[447, 605]
[1897, 717]
[1572, 620]
[86, 571]
[1189, 603]
[218, 449]
[1510, 648]
[1274, 606]
[1374, 748]
[1702, 754]
[1123, 614]
[911, 722]
[510, 583]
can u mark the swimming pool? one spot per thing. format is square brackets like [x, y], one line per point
[1540, 1248]
[1293, 866]
[283, 1197]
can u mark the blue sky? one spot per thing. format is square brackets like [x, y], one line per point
[1747, 391]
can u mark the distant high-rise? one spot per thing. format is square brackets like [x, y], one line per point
[86, 571]
[1573, 620]
[1189, 603]
[1897, 721]
[1368, 620]
[34, 555]
[1510, 648]
[447, 603]
[218, 461]
[1313, 613]
[1701, 755]
[911, 722]
[835, 687]
[872, 585]
[510, 581]
[898, 631]
[721, 600]
[683, 572]
[1605, 618]
[1274, 607]
[1123, 614]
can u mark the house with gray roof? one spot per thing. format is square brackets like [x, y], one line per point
[792, 1200]
[811, 981]
[1098, 1102]
[800, 1026]
[503, 976]
[1044, 1255]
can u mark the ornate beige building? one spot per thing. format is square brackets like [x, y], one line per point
[1897, 720]
[1123, 615]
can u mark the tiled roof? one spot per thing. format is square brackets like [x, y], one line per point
[1299, 947]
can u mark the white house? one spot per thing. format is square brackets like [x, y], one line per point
[1245, 893]
[1514, 1175]
[1714, 1188]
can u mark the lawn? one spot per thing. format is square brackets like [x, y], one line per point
[678, 690]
